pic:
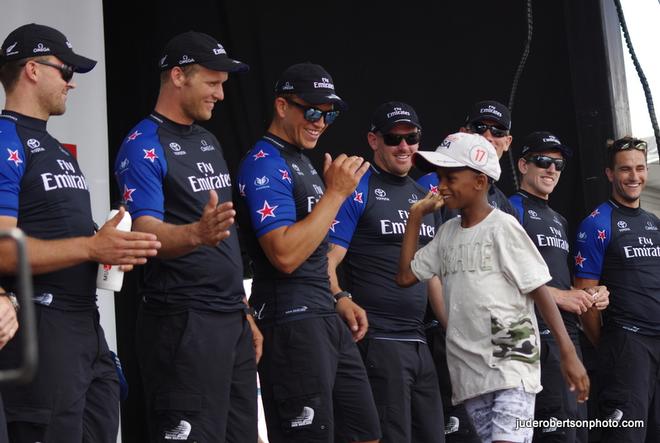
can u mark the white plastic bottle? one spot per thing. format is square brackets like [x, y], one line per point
[111, 277]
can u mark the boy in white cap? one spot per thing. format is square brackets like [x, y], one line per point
[491, 274]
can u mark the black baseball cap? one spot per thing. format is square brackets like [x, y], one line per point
[198, 48]
[389, 114]
[33, 40]
[311, 83]
[544, 141]
[490, 110]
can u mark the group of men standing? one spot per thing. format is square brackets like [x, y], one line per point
[342, 351]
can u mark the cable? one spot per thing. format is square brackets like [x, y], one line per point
[640, 73]
[516, 79]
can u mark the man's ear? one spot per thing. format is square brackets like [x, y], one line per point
[509, 140]
[610, 174]
[30, 70]
[177, 76]
[280, 106]
[522, 166]
[372, 140]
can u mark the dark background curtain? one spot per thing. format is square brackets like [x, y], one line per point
[440, 57]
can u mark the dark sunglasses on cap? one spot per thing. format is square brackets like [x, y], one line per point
[624, 144]
[65, 70]
[411, 138]
[481, 128]
[544, 162]
[313, 114]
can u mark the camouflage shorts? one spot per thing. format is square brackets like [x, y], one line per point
[497, 415]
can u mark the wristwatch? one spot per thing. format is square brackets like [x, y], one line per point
[12, 298]
[339, 295]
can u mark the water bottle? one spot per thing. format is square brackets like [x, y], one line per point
[111, 277]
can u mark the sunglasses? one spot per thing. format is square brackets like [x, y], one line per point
[65, 70]
[481, 128]
[624, 144]
[544, 162]
[313, 114]
[395, 139]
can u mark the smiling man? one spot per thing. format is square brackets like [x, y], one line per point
[366, 240]
[314, 384]
[196, 345]
[542, 160]
[74, 396]
[618, 246]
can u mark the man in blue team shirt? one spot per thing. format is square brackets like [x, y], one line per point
[543, 158]
[195, 342]
[366, 238]
[314, 384]
[492, 120]
[617, 245]
[75, 393]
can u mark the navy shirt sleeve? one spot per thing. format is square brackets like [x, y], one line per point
[498, 199]
[266, 185]
[592, 240]
[140, 169]
[429, 181]
[517, 204]
[11, 169]
[349, 214]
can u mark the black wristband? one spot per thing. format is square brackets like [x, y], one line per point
[339, 295]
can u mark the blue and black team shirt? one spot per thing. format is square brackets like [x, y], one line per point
[620, 247]
[166, 170]
[496, 198]
[42, 186]
[547, 229]
[279, 187]
[370, 225]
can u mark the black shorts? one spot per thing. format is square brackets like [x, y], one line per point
[3, 423]
[314, 385]
[591, 364]
[556, 400]
[199, 375]
[458, 426]
[75, 394]
[630, 384]
[406, 392]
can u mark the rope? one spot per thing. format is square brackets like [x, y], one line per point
[516, 79]
[640, 73]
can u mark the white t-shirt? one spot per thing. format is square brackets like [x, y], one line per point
[492, 334]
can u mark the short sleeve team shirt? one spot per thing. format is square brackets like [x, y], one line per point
[279, 186]
[547, 230]
[165, 170]
[42, 186]
[370, 225]
[620, 247]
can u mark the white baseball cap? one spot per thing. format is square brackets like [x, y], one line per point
[460, 150]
